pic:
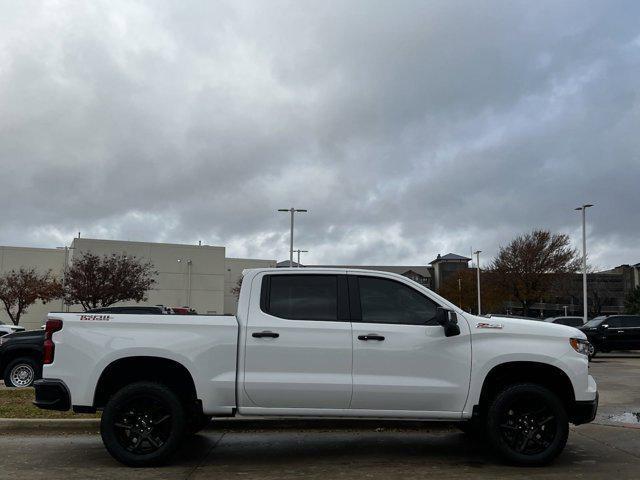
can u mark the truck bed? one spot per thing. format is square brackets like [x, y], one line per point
[206, 345]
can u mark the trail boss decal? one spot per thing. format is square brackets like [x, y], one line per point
[95, 318]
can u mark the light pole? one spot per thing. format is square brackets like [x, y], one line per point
[477, 254]
[299, 252]
[583, 208]
[292, 211]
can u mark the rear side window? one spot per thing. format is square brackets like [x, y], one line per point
[302, 297]
[388, 301]
[631, 322]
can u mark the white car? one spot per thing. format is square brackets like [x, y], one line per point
[7, 329]
[320, 343]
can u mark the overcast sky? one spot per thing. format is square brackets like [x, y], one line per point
[407, 129]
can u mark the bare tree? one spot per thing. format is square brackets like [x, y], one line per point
[529, 266]
[93, 281]
[19, 289]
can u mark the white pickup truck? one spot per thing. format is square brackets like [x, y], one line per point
[320, 343]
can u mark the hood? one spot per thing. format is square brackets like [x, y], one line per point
[529, 327]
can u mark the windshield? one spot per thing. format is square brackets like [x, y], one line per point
[594, 322]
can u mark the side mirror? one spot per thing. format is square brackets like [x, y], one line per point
[604, 327]
[448, 320]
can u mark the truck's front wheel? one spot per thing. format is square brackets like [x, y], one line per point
[143, 424]
[527, 424]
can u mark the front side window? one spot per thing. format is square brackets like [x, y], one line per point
[303, 297]
[388, 301]
[615, 322]
[594, 322]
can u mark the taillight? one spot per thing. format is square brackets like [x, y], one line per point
[49, 347]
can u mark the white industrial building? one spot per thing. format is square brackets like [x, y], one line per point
[199, 276]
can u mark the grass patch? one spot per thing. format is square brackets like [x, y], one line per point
[17, 403]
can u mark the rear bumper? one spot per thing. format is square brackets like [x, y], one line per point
[52, 395]
[584, 411]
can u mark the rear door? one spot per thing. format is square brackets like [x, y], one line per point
[402, 361]
[298, 345]
[631, 327]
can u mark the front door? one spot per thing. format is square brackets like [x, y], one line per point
[402, 360]
[298, 344]
[616, 334]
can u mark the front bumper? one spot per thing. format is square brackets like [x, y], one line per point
[584, 411]
[52, 395]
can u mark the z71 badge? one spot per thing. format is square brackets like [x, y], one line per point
[96, 318]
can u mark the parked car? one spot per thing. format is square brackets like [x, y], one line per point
[7, 329]
[613, 332]
[21, 358]
[320, 343]
[568, 321]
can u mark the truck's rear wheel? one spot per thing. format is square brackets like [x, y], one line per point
[527, 424]
[143, 424]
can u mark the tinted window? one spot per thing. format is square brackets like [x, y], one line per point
[631, 322]
[387, 301]
[614, 322]
[594, 322]
[303, 297]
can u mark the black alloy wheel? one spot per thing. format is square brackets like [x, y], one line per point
[527, 424]
[143, 424]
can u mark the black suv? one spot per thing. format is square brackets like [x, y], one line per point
[613, 332]
[21, 358]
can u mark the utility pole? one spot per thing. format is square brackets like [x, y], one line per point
[299, 252]
[477, 254]
[292, 211]
[583, 208]
[459, 292]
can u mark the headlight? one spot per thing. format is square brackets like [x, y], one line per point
[579, 345]
[1, 340]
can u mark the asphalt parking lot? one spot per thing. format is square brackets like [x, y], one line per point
[347, 450]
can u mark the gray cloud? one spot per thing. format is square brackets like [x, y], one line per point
[406, 128]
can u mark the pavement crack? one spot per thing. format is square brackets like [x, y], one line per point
[204, 457]
[604, 442]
